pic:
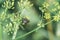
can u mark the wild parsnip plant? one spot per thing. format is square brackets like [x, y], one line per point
[48, 9]
[12, 22]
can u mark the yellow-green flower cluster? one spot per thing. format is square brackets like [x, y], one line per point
[49, 8]
[24, 4]
[57, 8]
[46, 4]
[47, 15]
[11, 23]
[56, 18]
[8, 4]
[8, 28]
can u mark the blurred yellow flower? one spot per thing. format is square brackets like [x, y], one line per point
[25, 4]
[47, 16]
[56, 18]
[46, 4]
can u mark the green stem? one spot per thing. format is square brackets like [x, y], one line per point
[15, 32]
[0, 32]
[32, 31]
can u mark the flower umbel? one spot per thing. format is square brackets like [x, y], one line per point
[56, 18]
[47, 16]
[46, 5]
[8, 4]
[24, 4]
